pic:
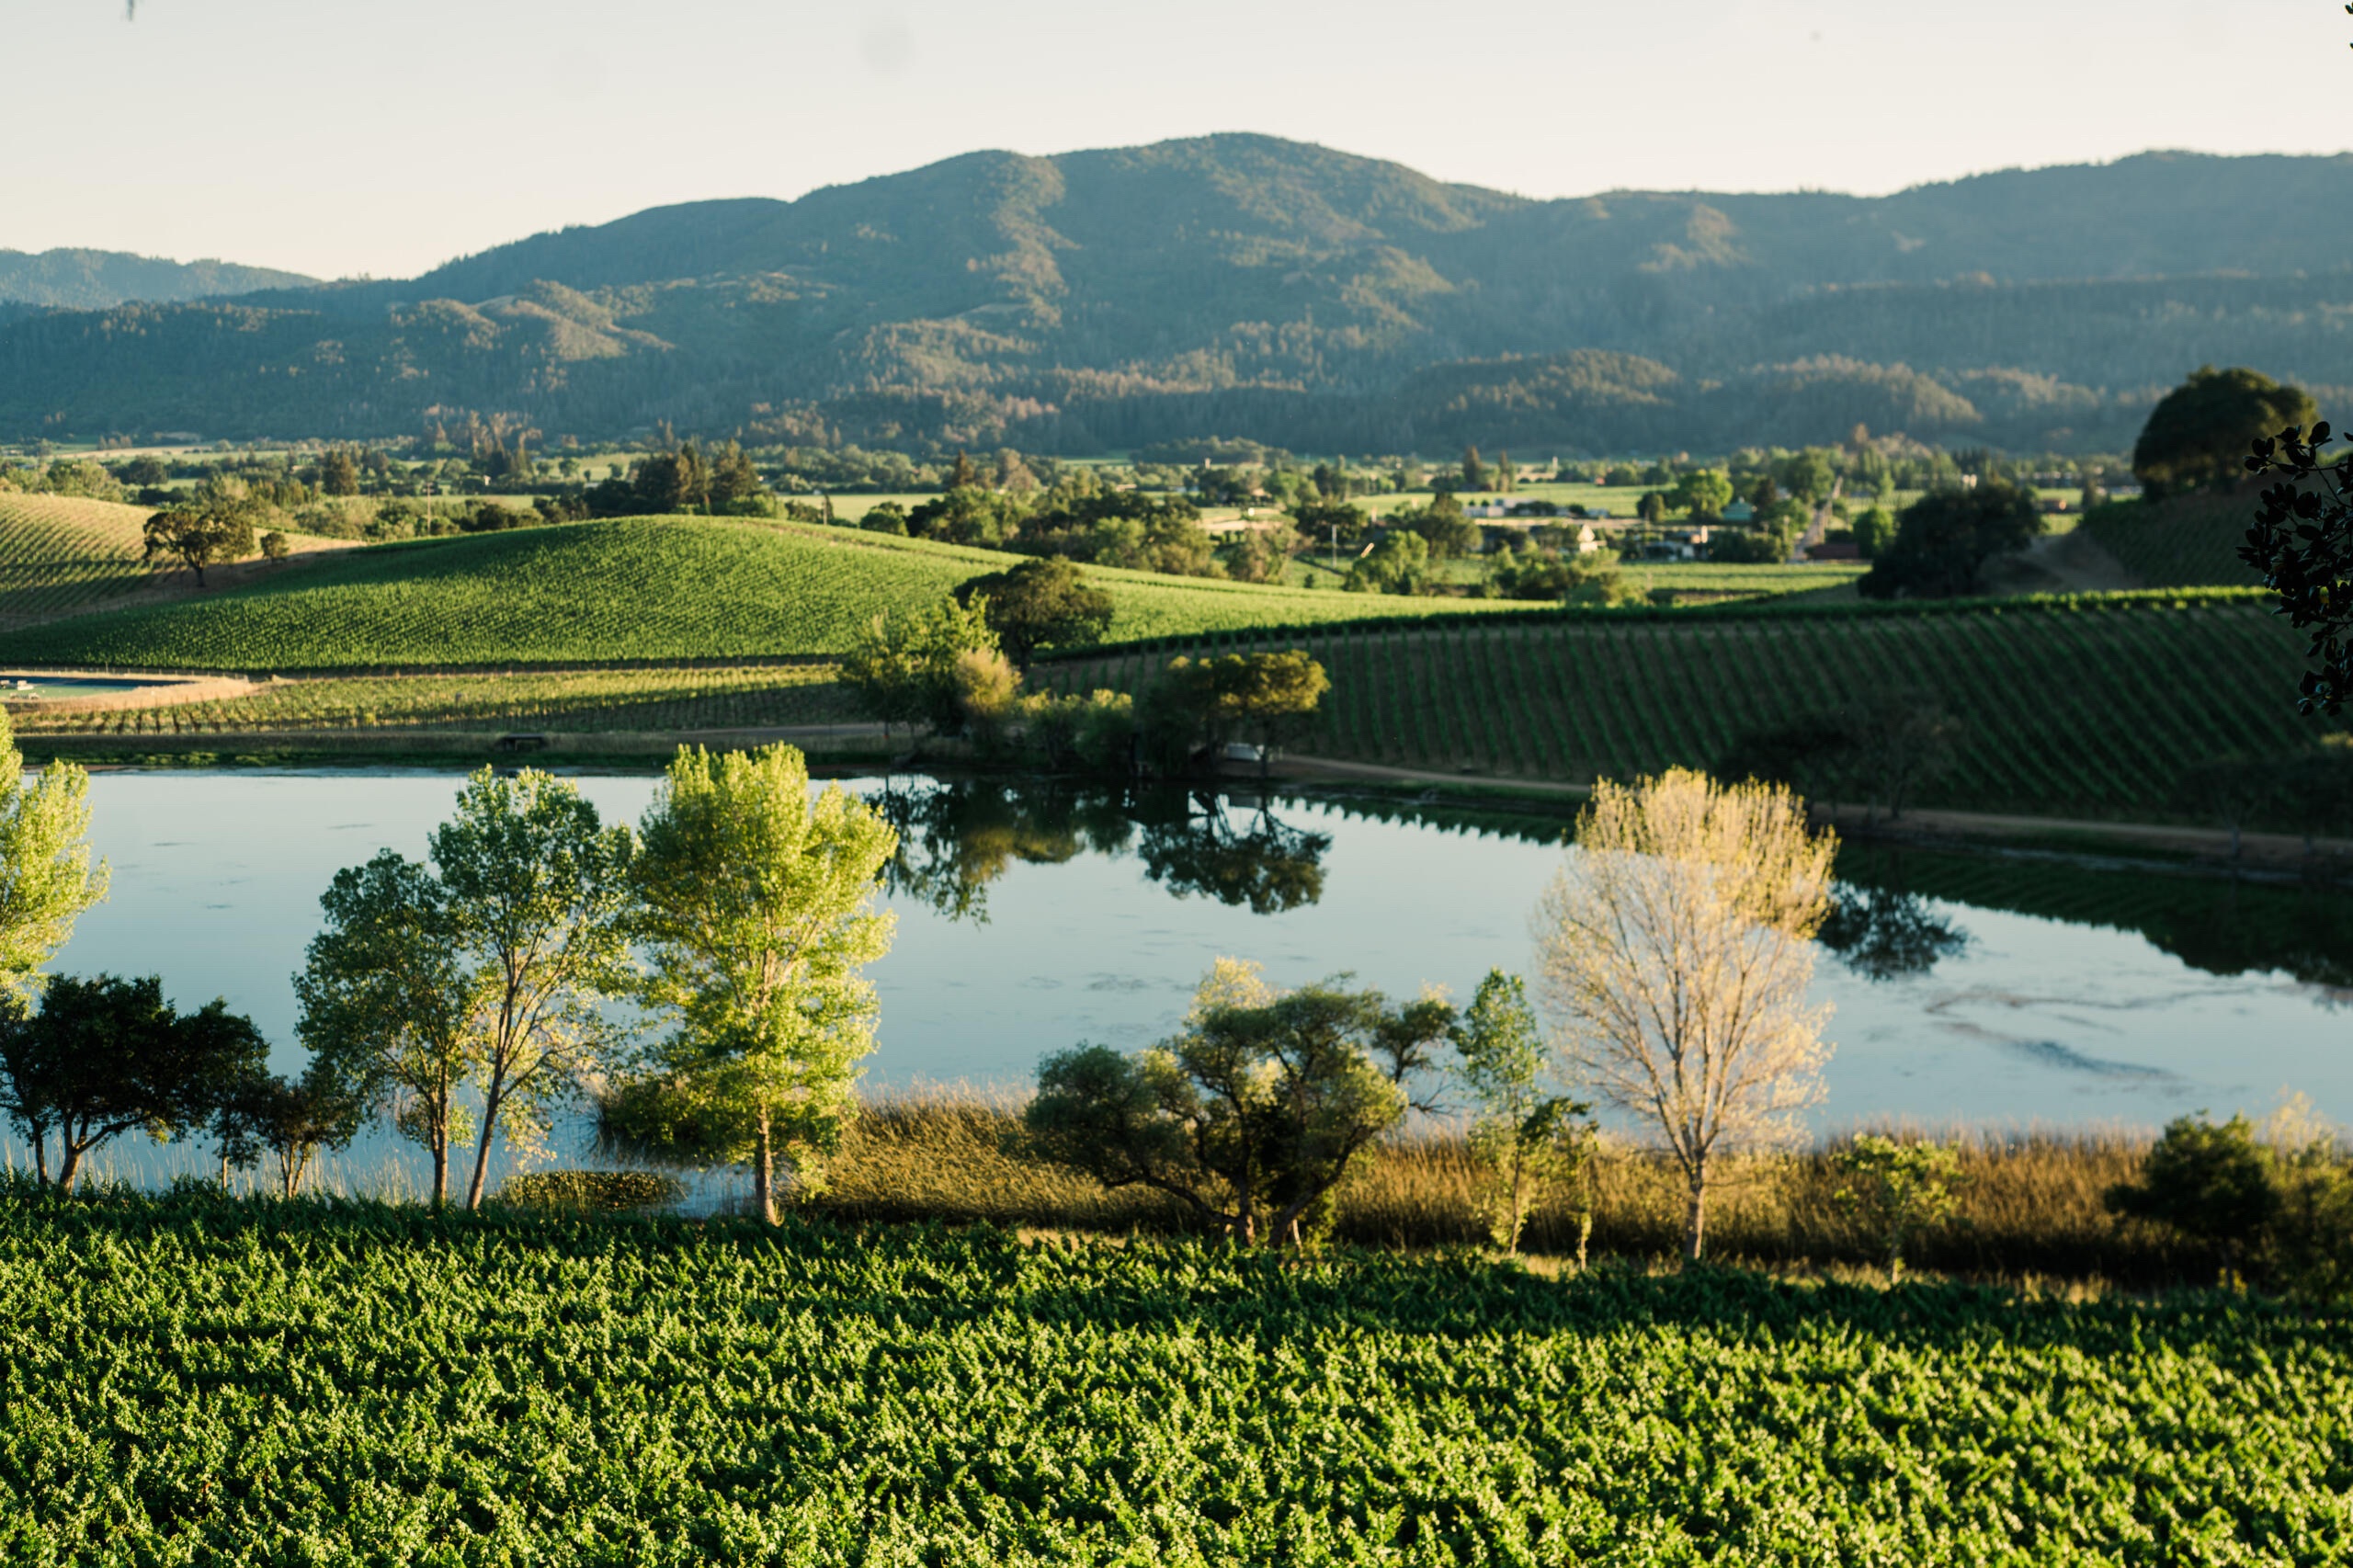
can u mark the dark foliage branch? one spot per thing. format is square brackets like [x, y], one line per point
[2302, 544]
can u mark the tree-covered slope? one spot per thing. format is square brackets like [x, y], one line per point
[94, 280]
[1243, 284]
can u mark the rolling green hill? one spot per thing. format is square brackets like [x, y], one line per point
[639, 588]
[2090, 707]
[60, 555]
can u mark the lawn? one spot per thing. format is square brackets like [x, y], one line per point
[192, 1381]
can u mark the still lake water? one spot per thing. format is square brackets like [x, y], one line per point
[2009, 989]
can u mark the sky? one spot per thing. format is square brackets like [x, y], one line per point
[342, 139]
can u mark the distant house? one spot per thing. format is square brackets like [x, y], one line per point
[1587, 541]
[1678, 544]
[1834, 549]
[1740, 514]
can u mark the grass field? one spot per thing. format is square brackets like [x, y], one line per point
[192, 1381]
[60, 555]
[634, 589]
[574, 701]
[2182, 540]
[2091, 707]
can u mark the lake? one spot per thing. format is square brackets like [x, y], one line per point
[1982, 988]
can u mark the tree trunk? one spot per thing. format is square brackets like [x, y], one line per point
[763, 1174]
[40, 1155]
[1695, 1218]
[441, 1171]
[481, 1151]
[69, 1166]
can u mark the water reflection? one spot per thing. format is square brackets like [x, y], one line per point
[1883, 934]
[958, 837]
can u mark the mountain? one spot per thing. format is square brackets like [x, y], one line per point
[1243, 284]
[96, 280]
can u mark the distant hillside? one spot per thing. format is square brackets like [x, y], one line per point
[1244, 285]
[2189, 541]
[96, 280]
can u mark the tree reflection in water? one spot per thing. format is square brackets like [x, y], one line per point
[1883, 934]
[957, 836]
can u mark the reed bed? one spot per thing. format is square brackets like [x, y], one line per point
[2029, 1201]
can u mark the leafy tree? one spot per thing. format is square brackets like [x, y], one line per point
[1764, 492]
[1444, 527]
[1504, 474]
[1530, 1144]
[46, 880]
[291, 1120]
[1397, 564]
[1702, 492]
[1651, 507]
[2302, 543]
[964, 476]
[538, 899]
[1334, 525]
[1040, 604]
[969, 514]
[902, 669]
[338, 472]
[1474, 472]
[388, 1002]
[1874, 531]
[2200, 433]
[1808, 476]
[201, 536]
[1254, 1112]
[1675, 953]
[1897, 1190]
[275, 546]
[1264, 695]
[733, 483]
[755, 904]
[104, 1056]
[884, 518]
[1947, 536]
[1269, 867]
[2214, 1184]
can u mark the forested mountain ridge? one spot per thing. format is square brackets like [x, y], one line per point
[1245, 284]
[95, 280]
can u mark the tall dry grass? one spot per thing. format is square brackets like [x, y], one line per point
[2029, 1203]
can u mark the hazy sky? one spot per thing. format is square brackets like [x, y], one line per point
[340, 138]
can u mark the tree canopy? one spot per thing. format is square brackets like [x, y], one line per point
[1944, 539]
[2200, 433]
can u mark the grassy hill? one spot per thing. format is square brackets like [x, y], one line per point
[2181, 541]
[2095, 706]
[639, 588]
[61, 555]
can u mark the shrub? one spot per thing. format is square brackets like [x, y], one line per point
[1898, 1191]
[591, 1192]
[2212, 1184]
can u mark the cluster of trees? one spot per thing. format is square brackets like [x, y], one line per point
[1675, 955]
[466, 995]
[957, 667]
[1943, 540]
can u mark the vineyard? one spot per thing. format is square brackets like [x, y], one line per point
[2092, 706]
[578, 701]
[2180, 541]
[62, 555]
[188, 1380]
[640, 589]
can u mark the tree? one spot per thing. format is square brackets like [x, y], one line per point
[338, 472]
[754, 906]
[1874, 531]
[1444, 527]
[2302, 544]
[1808, 476]
[291, 1120]
[1529, 1144]
[1251, 1115]
[1397, 564]
[104, 1056]
[46, 880]
[1947, 536]
[1675, 950]
[2200, 433]
[1702, 492]
[538, 900]
[1504, 474]
[1039, 604]
[733, 481]
[903, 668]
[275, 546]
[201, 536]
[1651, 507]
[1474, 472]
[1897, 1190]
[1267, 696]
[388, 1002]
[2214, 1184]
